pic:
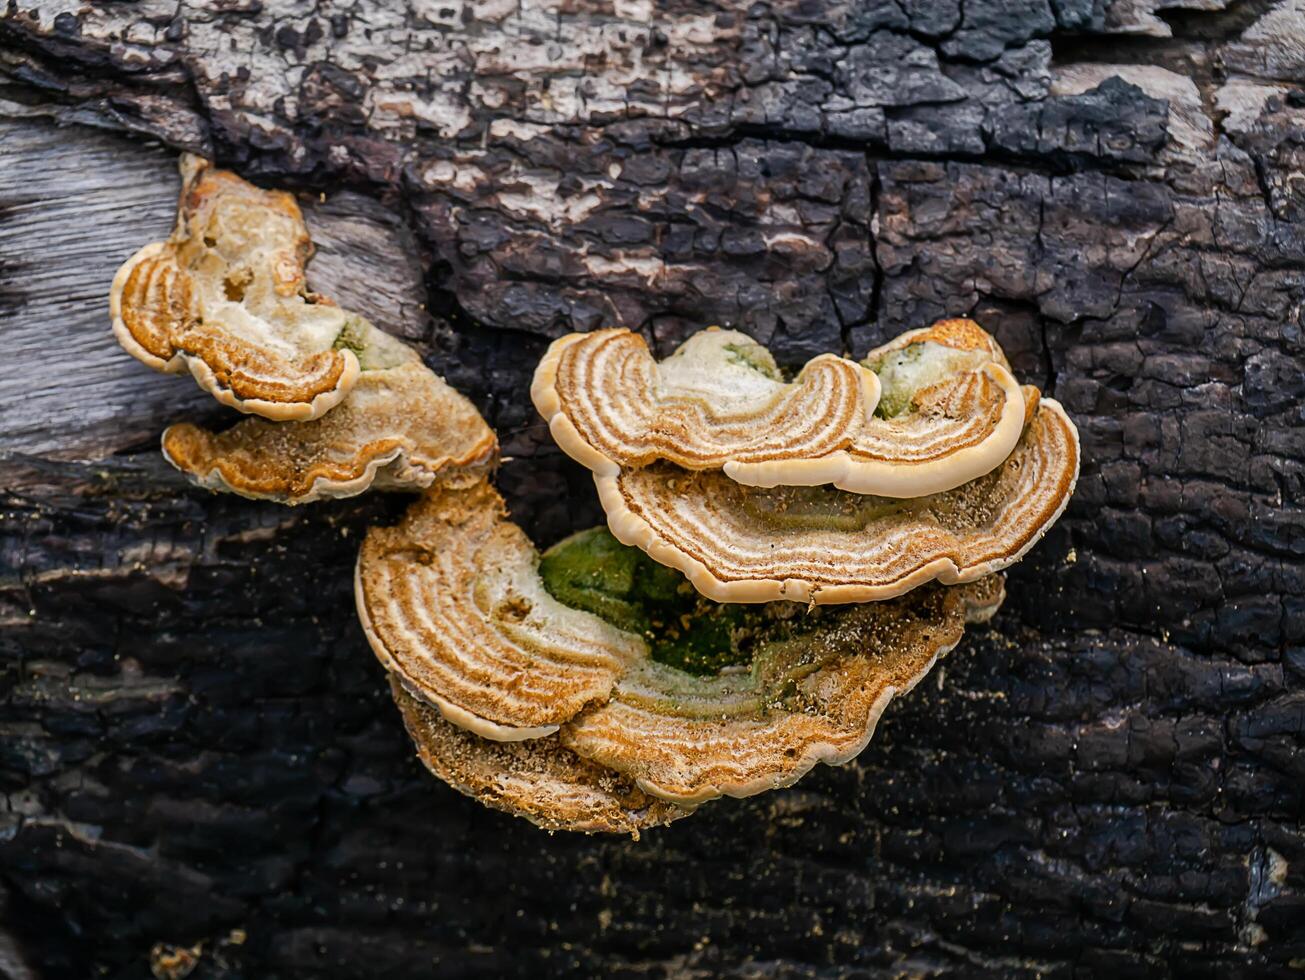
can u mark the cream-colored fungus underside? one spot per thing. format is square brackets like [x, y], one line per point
[719, 397]
[452, 603]
[540, 780]
[401, 427]
[813, 544]
[949, 411]
[225, 298]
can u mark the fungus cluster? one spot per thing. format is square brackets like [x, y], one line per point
[596, 655]
[929, 411]
[945, 469]
[782, 557]
[336, 405]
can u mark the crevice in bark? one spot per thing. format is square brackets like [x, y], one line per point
[1053, 163]
[1217, 26]
[11, 300]
[877, 287]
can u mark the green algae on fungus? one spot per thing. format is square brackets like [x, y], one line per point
[755, 357]
[353, 335]
[819, 509]
[905, 372]
[896, 382]
[375, 349]
[594, 572]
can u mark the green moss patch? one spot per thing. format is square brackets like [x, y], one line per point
[594, 572]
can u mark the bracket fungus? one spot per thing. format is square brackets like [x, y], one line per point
[540, 780]
[933, 409]
[817, 545]
[718, 398]
[596, 663]
[815, 696]
[401, 427]
[225, 298]
[806, 549]
[452, 604]
[949, 411]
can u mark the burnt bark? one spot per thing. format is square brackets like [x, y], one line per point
[200, 765]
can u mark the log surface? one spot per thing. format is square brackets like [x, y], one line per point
[200, 765]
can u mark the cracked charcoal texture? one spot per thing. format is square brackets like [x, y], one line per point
[198, 756]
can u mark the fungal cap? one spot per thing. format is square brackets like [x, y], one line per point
[958, 333]
[950, 411]
[401, 427]
[451, 601]
[740, 544]
[540, 780]
[809, 687]
[718, 398]
[815, 698]
[225, 298]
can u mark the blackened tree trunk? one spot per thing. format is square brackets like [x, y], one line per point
[201, 767]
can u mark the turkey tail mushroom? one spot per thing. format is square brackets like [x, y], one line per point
[525, 681]
[949, 411]
[718, 398]
[401, 427]
[813, 544]
[452, 603]
[928, 412]
[814, 698]
[226, 299]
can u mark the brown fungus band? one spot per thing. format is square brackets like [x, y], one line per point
[540, 780]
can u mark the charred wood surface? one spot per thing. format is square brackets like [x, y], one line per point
[201, 769]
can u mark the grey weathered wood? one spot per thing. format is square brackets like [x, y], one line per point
[73, 207]
[195, 743]
[72, 213]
